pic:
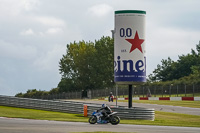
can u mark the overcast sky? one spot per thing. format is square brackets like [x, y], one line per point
[34, 34]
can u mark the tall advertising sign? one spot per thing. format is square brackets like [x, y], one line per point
[129, 47]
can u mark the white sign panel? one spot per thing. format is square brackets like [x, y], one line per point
[129, 47]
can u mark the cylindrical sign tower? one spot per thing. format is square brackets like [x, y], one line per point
[129, 47]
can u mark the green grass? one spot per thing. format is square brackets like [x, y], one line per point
[169, 119]
[40, 114]
[161, 118]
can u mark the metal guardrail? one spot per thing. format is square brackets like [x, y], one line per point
[75, 107]
[128, 113]
[49, 105]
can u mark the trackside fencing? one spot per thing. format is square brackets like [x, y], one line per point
[169, 90]
[75, 107]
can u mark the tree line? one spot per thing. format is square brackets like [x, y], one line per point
[186, 70]
[89, 65]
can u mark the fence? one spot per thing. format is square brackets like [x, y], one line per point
[64, 95]
[171, 90]
[74, 107]
[153, 91]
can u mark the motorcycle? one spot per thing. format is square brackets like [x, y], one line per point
[97, 118]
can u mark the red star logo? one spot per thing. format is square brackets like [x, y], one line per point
[136, 43]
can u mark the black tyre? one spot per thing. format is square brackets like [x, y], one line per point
[115, 120]
[93, 120]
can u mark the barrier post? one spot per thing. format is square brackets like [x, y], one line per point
[85, 110]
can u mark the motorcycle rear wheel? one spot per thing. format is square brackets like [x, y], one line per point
[92, 120]
[115, 120]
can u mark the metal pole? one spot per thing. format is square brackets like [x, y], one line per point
[123, 92]
[116, 94]
[177, 90]
[185, 90]
[193, 90]
[143, 91]
[130, 88]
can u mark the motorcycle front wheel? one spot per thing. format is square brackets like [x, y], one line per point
[115, 120]
[93, 120]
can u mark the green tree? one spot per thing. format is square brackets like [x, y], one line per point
[170, 70]
[19, 95]
[184, 64]
[163, 71]
[32, 93]
[76, 66]
[53, 91]
[104, 58]
[87, 65]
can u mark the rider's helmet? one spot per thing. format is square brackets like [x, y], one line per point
[103, 105]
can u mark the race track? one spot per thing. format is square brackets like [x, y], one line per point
[14, 125]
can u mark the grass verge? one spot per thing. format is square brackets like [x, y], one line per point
[168, 119]
[162, 118]
[13, 112]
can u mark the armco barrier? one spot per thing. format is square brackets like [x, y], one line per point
[75, 107]
[49, 105]
[128, 113]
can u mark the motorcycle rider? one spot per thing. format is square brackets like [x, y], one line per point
[110, 98]
[105, 110]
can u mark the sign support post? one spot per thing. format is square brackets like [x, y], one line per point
[130, 93]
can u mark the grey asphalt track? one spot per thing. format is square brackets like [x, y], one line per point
[15, 125]
[163, 108]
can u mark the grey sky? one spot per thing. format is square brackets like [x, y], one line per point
[34, 34]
